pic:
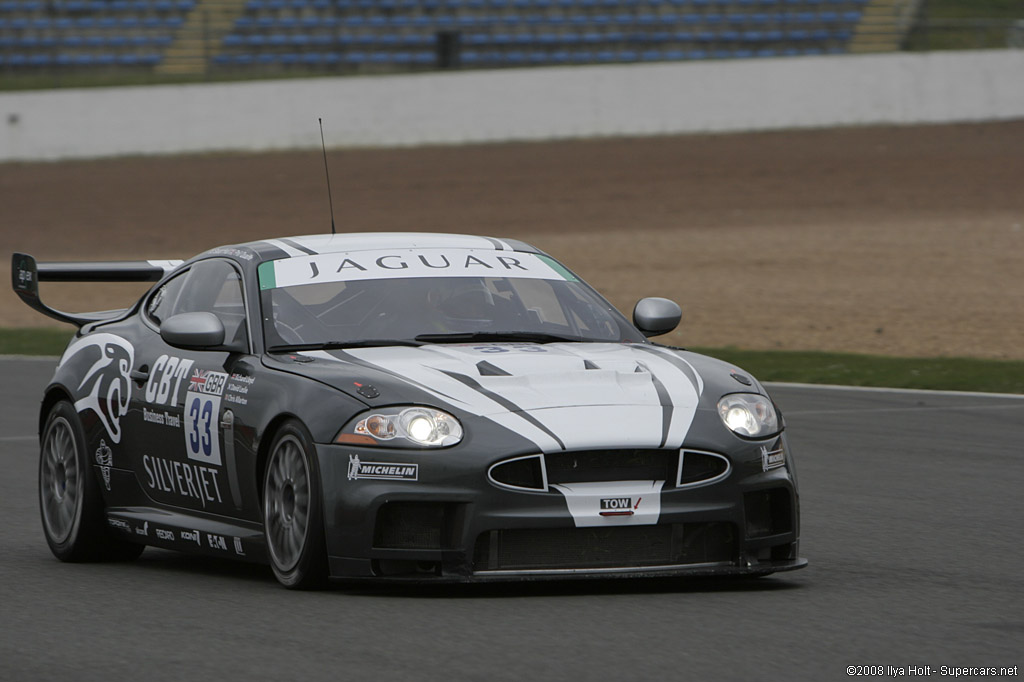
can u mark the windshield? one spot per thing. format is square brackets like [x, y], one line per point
[348, 301]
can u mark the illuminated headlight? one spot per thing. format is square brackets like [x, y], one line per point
[403, 426]
[749, 415]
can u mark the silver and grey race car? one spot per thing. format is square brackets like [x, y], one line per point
[405, 407]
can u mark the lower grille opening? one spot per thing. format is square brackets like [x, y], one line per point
[784, 552]
[393, 567]
[411, 525]
[604, 547]
[768, 512]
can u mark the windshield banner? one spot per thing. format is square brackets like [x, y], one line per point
[404, 263]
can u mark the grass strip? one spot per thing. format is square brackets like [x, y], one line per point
[34, 341]
[809, 367]
[850, 369]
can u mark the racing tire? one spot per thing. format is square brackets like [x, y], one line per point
[70, 502]
[293, 523]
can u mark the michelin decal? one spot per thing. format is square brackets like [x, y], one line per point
[105, 458]
[388, 471]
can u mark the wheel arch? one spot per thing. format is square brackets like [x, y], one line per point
[266, 440]
[54, 394]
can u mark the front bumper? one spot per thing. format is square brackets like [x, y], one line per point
[430, 516]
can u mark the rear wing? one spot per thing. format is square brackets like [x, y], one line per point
[26, 274]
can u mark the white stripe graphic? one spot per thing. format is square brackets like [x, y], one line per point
[642, 498]
[612, 406]
[165, 265]
[287, 248]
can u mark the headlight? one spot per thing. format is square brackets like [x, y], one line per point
[749, 415]
[399, 427]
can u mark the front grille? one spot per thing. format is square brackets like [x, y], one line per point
[612, 465]
[604, 547]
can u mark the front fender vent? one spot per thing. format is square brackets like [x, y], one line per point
[701, 468]
[521, 473]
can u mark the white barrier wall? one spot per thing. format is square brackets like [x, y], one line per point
[521, 104]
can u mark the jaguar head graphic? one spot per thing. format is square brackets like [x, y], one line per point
[104, 362]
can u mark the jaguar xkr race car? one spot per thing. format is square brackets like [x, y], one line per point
[406, 407]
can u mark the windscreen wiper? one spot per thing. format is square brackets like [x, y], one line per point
[336, 345]
[464, 337]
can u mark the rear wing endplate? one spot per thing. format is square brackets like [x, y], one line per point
[26, 274]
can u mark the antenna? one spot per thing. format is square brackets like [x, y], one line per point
[323, 146]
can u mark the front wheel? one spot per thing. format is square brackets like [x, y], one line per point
[292, 510]
[70, 502]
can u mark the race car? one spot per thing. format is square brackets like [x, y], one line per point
[402, 407]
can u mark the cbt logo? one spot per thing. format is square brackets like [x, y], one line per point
[166, 369]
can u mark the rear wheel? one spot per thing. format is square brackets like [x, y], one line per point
[70, 502]
[292, 510]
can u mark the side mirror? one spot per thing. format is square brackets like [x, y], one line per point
[193, 331]
[654, 316]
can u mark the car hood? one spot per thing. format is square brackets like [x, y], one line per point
[561, 396]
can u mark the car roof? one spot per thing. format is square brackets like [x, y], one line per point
[309, 245]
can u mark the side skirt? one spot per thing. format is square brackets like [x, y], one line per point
[185, 533]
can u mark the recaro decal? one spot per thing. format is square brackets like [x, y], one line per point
[106, 383]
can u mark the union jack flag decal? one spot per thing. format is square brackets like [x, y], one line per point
[207, 381]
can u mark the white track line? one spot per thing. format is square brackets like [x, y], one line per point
[875, 389]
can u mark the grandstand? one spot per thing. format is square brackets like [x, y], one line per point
[43, 34]
[240, 36]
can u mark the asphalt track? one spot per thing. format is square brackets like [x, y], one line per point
[912, 511]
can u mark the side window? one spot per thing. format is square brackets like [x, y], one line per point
[163, 301]
[212, 286]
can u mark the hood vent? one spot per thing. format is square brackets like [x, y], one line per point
[486, 369]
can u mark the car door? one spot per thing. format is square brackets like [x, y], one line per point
[185, 456]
